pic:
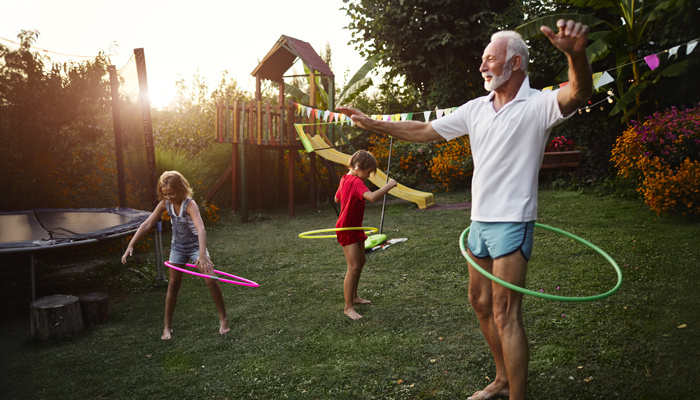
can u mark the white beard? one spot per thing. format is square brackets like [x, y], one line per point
[497, 80]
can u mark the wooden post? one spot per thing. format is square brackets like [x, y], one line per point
[55, 316]
[117, 122]
[280, 177]
[234, 176]
[312, 160]
[290, 138]
[242, 170]
[312, 178]
[147, 124]
[291, 181]
[234, 158]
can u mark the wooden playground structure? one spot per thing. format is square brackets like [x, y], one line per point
[256, 127]
[259, 127]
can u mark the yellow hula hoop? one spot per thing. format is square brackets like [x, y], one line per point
[313, 234]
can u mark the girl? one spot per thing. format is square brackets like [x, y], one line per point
[189, 242]
[351, 195]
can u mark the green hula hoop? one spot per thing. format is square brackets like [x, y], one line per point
[313, 234]
[546, 295]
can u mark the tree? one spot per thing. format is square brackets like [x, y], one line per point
[631, 29]
[48, 112]
[435, 44]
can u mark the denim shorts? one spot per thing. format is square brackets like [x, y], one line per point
[500, 239]
[177, 256]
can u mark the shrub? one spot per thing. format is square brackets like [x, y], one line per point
[410, 162]
[452, 165]
[560, 143]
[447, 165]
[662, 156]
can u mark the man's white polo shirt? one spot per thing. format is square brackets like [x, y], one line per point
[507, 149]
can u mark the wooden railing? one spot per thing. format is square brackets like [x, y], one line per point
[261, 124]
[255, 123]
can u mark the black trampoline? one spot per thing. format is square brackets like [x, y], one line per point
[48, 229]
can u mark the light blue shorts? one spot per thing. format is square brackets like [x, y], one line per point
[500, 239]
[180, 257]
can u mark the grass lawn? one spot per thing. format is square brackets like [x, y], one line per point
[419, 339]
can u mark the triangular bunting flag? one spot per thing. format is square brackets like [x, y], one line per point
[409, 117]
[439, 113]
[426, 114]
[691, 46]
[404, 116]
[448, 111]
[652, 61]
[673, 51]
[604, 79]
[308, 112]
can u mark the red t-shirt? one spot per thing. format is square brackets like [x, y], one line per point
[352, 209]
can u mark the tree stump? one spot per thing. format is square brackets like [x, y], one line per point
[55, 316]
[95, 308]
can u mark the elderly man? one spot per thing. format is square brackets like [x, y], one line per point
[508, 130]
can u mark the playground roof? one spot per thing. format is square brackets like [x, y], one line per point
[283, 55]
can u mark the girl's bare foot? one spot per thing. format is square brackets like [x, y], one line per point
[492, 391]
[166, 334]
[353, 314]
[223, 328]
[358, 300]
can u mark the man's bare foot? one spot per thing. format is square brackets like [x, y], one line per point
[166, 334]
[492, 391]
[358, 300]
[353, 314]
[223, 328]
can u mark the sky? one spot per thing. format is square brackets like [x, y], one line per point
[181, 38]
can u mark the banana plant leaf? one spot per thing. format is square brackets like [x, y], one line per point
[628, 98]
[531, 29]
[359, 82]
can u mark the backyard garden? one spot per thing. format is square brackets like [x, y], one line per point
[632, 189]
[419, 339]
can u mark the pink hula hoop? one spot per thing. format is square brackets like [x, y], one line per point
[238, 281]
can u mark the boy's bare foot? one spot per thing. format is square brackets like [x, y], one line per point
[491, 391]
[223, 328]
[358, 300]
[353, 314]
[166, 334]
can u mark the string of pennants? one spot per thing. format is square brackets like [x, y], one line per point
[600, 79]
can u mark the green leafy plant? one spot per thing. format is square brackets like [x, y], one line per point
[628, 27]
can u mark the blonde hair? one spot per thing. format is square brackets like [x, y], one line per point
[175, 181]
[364, 160]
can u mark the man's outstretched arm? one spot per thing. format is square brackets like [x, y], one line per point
[411, 131]
[571, 40]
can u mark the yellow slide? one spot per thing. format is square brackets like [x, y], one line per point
[321, 147]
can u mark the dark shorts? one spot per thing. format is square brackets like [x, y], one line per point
[500, 239]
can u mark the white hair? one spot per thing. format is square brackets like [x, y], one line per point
[516, 46]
